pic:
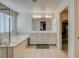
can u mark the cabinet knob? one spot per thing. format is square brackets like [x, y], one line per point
[78, 38]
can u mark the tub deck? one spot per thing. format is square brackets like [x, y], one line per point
[18, 45]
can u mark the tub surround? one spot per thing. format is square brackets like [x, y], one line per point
[15, 40]
[18, 45]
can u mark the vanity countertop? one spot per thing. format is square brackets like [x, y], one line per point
[41, 32]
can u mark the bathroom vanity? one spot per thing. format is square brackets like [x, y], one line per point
[42, 31]
[43, 37]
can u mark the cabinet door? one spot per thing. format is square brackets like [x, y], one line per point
[39, 38]
[35, 39]
[45, 38]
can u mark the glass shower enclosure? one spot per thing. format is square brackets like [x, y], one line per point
[4, 32]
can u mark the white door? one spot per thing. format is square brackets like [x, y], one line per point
[77, 30]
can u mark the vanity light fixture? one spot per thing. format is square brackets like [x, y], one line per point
[37, 16]
[34, 16]
[48, 16]
[42, 16]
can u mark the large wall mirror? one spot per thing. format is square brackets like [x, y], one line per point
[41, 24]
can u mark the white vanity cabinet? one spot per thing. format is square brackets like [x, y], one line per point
[39, 38]
[43, 37]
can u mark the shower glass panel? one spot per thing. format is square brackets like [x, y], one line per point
[4, 32]
[4, 26]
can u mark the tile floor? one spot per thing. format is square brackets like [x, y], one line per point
[52, 52]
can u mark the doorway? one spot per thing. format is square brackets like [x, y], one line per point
[64, 29]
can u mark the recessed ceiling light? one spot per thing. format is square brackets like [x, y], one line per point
[34, 1]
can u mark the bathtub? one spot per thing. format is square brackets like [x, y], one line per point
[15, 48]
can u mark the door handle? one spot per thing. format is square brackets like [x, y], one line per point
[77, 37]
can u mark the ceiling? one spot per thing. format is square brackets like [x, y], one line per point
[24, 6]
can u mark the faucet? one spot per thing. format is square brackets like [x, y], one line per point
[1, 41]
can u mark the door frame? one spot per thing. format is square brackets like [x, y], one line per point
[71, 4]
[61, 25]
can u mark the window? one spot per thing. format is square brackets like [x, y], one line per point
[4, 23]
[11, 23]
[7, 23]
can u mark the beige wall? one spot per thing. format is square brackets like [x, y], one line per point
[24, 23]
